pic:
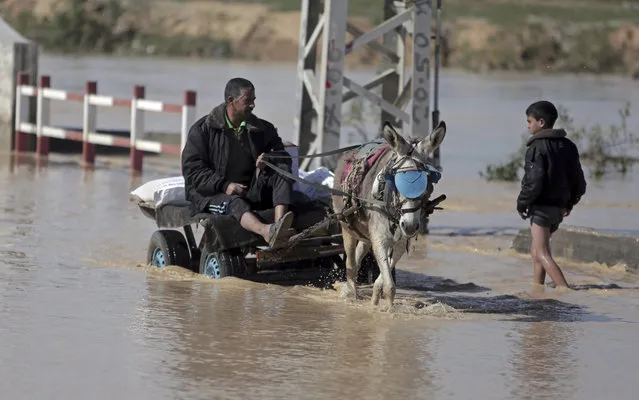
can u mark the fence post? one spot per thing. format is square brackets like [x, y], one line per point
[188, 115]
[21, 139]
[88, 124]
[43, 117]
[137, 128]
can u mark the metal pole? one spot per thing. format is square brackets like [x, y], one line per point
[331, 81]
[305, 113]
[320, 94]
[89, 119]
[137, 129]
[393, 83]
[420, 84]
[436, 153]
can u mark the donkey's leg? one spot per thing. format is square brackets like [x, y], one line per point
[361, 251]
[352, 264]
[377, 288]
[352, 271]
[398, 252]
[381, 249]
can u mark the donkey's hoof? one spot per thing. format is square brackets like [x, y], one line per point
[346, 291]
[389, 306]
[349, 296]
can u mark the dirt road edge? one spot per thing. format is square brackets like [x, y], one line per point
[588, 245]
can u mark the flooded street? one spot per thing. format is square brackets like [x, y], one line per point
[81, 318]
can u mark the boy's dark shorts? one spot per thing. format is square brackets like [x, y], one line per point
[547, 216]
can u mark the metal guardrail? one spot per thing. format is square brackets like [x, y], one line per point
[89, 136]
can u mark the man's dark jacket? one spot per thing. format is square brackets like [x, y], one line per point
[205, 155]
[552, 173]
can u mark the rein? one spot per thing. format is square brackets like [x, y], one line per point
[319, 186]
[382, 206]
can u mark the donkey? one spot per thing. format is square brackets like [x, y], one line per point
[403, 177]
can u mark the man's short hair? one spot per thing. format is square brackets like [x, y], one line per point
[235, 86]
[543, 110]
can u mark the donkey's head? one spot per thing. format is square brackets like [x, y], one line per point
[411, 175]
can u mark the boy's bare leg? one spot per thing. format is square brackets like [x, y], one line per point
[540, 273]
[541, 244]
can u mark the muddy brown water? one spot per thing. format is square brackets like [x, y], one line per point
[81, 318]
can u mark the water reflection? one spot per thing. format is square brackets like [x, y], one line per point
[249, 340]
[76, 314]
[544, 362]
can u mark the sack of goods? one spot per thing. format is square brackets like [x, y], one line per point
[160, 192]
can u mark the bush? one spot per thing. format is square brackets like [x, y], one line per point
[604, 149]
[84, 26]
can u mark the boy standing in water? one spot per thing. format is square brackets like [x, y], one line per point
[552, 185]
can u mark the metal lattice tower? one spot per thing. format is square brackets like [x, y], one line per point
[321, 85]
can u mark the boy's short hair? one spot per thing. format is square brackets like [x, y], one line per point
[543, 110]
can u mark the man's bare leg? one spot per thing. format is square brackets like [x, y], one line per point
[280, 210]
[541, 244]
[250, 222]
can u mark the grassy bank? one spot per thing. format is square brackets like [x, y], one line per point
[499, 12]
[84, 26]
[524, 35]
[514, 14]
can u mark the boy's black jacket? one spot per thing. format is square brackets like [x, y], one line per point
[552, 173]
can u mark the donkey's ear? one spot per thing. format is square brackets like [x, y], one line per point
[437, 136]
[434, 140]
[394, 139]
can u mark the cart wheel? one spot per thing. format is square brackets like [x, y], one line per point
[331, 270]
[369, 270]
[221, 264]
[168, 247]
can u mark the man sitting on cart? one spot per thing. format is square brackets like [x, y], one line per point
[223, 173]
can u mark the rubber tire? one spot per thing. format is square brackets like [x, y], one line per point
[173, 247]
[221, 264]
[369, 263]
[329, 272]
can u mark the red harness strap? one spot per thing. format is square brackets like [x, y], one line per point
[369, 163]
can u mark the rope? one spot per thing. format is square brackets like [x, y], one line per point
[319, 186]
[328, 153]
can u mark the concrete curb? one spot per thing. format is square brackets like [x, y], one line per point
[588, 245]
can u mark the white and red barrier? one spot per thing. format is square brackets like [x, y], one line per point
[88, 136]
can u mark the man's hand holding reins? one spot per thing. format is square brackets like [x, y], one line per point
[258, 162]
[236, 189]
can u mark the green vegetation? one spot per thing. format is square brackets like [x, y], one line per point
[538, 47]
[73, 27]
[366, 8]
[514, 14]
[500, 12]
[522, 35]
[603, 149]
[83, 26]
